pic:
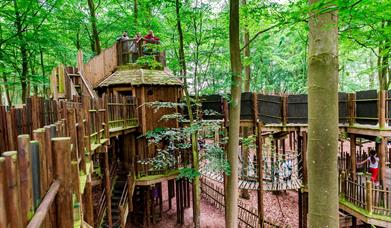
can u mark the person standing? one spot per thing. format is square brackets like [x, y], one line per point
[373, 165]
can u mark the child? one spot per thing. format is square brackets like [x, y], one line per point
[373, 165]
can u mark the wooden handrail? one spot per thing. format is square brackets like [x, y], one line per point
[44, 207]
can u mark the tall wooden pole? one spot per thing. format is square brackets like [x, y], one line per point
[62, 172]
[260, 174]
[26, 181]
[3, 194]
[108, 186]
[353, 155]
[14, 208]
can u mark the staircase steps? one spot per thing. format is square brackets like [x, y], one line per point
[120, 182]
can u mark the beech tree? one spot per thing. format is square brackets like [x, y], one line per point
[232, 191]
[323, 116]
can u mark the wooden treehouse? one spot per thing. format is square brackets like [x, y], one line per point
[96, 121]
[74, 159]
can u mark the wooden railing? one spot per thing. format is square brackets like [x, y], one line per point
[363, 194]
[124, 206]
[122, 111]
[129, 51]
[53, 163]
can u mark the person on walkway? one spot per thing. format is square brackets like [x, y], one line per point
[373, 165]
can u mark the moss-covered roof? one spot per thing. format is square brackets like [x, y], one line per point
[139, 76]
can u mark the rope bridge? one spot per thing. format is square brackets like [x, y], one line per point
[280, 171]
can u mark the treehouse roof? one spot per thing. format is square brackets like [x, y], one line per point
[136, 77]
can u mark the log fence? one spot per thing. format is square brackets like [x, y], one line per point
[362, 193]
[46, 159]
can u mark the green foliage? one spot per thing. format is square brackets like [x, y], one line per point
[188, 173]
[249, 142]
[164, 160]
[149, 62]
[216, 161]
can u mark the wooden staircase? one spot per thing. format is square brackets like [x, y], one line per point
[119, 192]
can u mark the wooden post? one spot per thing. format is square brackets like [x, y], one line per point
[368, 197]
[303, 193]
[3, 194]
[40, 137]
[352, 108]
[353, 156]
[260, 174]
[383, 167]
[88, 202]
[36, 173]
[284, 104]
[80, 142]
[14, 208]
[26, 181]
[63, 173]
[71, 122]
[50, 168]
[108, 186]
[305, 161]
[382, 108]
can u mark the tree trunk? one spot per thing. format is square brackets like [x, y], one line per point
[95, 34]
[371, 75]
[247, 78]
[231, 216]
[194, 146]
[23, 52]
[135, 14]
[323, 118]
[44, 90]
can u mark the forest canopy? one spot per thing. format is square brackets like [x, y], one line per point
[36, 36]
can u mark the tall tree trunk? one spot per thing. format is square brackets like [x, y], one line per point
[194, 146]
[323, 118]
[43, 72]
[135, 14]
[247, 79]
[23, 52]
[231, 215]
[95, 34]
[372, 74]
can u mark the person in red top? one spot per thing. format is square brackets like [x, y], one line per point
[149, 38]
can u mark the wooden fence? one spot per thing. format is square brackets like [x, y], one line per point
[100, 66]
[362, 193]
[46, 160]
[248, 216]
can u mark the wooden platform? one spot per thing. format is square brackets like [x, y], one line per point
[154, 179]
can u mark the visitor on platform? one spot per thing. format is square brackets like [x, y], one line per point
[150, 38]
[123, 37]
[373, 165]
[134, 48]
